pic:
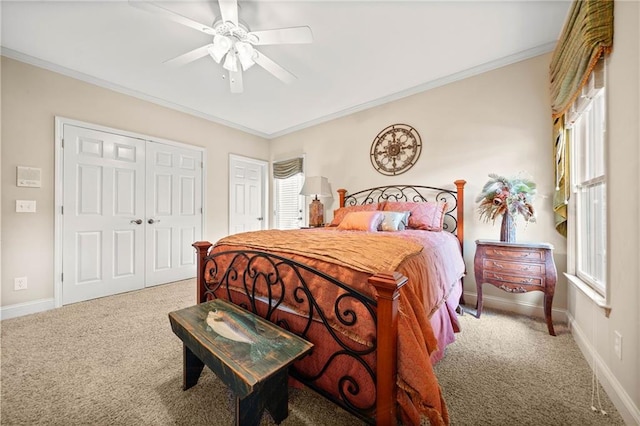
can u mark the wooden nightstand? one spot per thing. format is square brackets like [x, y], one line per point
[516, 268]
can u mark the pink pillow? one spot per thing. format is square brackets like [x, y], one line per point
[361, 221]
[340, 213]
[427, 215]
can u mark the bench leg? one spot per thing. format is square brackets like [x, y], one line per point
[278, 399]
[272, 395]
[192, 368]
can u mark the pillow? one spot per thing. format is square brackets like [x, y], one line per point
[394, 221]
[427, 215]
[404, 223]
[361, 221]
[340, 213]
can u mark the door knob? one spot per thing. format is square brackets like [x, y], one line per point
[151, 221]
[136, 221]
[260, 218]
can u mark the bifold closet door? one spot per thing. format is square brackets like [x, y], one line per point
[103, 214]
[174, 212]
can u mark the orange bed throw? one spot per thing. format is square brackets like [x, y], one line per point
[419, 393]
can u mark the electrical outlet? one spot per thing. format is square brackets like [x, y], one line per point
[20, 283]
[617, 344]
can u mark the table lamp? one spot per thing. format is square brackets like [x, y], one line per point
[316, 186]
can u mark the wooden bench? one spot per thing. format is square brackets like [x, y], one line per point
[249, 354]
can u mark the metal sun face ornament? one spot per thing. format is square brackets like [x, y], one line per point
[395, 149]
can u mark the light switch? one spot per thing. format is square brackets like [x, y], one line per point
[25, 206]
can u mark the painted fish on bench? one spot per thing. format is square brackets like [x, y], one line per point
[233, 327]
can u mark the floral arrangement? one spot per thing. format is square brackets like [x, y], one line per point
[501, 196]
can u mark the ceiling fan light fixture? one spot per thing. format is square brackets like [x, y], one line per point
[231, 62]
[220, 47]
[246, 54]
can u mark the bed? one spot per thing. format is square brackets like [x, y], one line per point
[380, 307]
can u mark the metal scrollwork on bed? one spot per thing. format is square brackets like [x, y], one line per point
[243, 275]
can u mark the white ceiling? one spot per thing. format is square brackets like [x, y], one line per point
[364, 52]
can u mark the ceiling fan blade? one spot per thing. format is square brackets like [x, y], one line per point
[229, 11]
[191, 56]
[274, 68]
[235, 81]
[171, 15]
[293, 35]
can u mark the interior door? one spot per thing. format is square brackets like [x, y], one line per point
[246, 195]
[103, 212]
[174, 212]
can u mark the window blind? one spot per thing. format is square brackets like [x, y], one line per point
[289, 202]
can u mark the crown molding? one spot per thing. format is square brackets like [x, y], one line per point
[40, 63]
[470, 72]
[461, 75]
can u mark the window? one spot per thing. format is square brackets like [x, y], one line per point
[288, 178]
[587, 241]
[289, 204]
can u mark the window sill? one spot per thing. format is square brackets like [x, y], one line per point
[597, 298]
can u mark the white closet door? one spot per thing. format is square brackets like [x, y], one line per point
[174, 212]
[103, 202]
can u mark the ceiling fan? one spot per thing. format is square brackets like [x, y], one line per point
[233, 41]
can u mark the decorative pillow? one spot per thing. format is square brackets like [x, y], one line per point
[361, 221]
[340, 213]
[405, 220]
[394, 221]
[428, 215]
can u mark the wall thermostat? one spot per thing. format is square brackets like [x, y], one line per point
[29, 177]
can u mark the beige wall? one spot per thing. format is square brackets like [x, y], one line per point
[591, 326]
[496, 122]
[31, 98]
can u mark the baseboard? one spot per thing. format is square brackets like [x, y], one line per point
[515, 306]
[26, 308]
[620, 398]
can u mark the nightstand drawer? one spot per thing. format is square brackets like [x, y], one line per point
[515, 254]
[505, 266]
[514, 279]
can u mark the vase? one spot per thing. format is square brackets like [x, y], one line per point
[508, 229]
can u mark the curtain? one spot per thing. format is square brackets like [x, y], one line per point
[287, 168]
[561, 194]
[587, 35]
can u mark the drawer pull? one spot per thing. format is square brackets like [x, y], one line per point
[513, 289]
[498, 265]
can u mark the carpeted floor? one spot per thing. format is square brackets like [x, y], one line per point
[115, 361]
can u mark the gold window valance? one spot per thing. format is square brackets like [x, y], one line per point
[587, 35]
[287, 168]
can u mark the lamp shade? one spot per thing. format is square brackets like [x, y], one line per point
[231, 62]
[245, 54]
[220, 47]
[316, 186]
